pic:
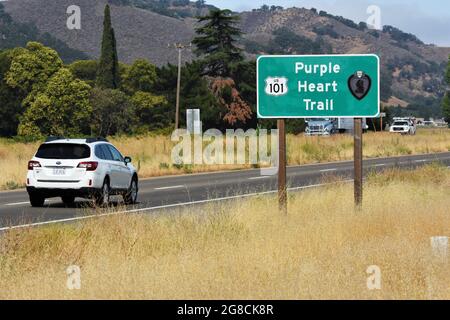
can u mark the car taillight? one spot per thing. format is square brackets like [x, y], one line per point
[89, 166]
[33, 164]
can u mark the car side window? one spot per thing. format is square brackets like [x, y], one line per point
[99, 152]
[116, 154]
[106, 152]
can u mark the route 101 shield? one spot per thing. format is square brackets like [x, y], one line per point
[276, 86]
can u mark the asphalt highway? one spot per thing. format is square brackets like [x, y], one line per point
[175, 191]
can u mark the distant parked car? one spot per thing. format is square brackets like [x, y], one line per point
[403, 126]
[429, 124]
[88, 168]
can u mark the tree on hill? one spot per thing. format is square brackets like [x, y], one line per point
[113, 112]
[54, 102]
[216, 42]
[108, 76]
[85, 70]
[150, 110]
[286, 41]
[10, 98]
[216, 45]
[238, 110]
[385, 84]
[62, 108]
[446, 107]
[200, 3]
[446, 100]
[447, 74]
[140, 76]
[32, 67]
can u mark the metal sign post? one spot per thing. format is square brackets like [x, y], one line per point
[282, 190]
[358, 167]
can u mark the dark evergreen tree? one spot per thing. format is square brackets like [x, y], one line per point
[446, 100]
[108, 70]
[116, 72]
[216, 42]
[10, 98]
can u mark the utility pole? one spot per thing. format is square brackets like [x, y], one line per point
[180, 47]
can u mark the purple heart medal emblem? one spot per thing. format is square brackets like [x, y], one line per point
[359, 84]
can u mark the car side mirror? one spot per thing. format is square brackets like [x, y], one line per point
[127, 160]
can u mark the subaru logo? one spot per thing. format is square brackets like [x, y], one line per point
[58, 163]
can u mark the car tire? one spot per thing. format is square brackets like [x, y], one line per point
[130, 197]
[36, 200]
[102, 197]
[68, 200]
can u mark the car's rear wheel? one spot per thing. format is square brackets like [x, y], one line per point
[102, 198]
[36, 200]
[68, 200]
[130, 197]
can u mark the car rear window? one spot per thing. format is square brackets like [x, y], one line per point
[63, 151]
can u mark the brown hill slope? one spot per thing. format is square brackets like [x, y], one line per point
[416, 68]
[140, 33]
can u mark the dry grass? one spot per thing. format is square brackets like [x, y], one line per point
[246, 250]
[152, 154]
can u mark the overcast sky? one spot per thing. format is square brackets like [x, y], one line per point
[429, 20]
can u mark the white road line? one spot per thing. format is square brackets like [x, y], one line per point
[328, 170]
[260, 177]
[17, 203]
[163, 207]
[171, 187]
[424, 160]
[25, 202]
[379, 165]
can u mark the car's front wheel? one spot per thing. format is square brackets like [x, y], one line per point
[36, 200]
[130, 197]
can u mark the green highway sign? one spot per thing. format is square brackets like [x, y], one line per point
[318, 86]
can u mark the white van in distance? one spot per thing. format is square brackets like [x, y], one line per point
[403, 126]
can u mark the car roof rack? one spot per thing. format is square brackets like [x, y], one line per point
[54, 138]
[98, 139]
[88, 140]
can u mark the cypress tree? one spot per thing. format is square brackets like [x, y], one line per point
[116, 72]
[108, 70]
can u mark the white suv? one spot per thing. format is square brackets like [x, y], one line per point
[403, 126]
[87, 168]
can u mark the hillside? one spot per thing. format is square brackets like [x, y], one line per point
[170, 8]
[416, 68]
[140, 33]
[16, 34]
[409, 67]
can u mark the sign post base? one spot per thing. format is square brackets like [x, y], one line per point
[282, 190]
